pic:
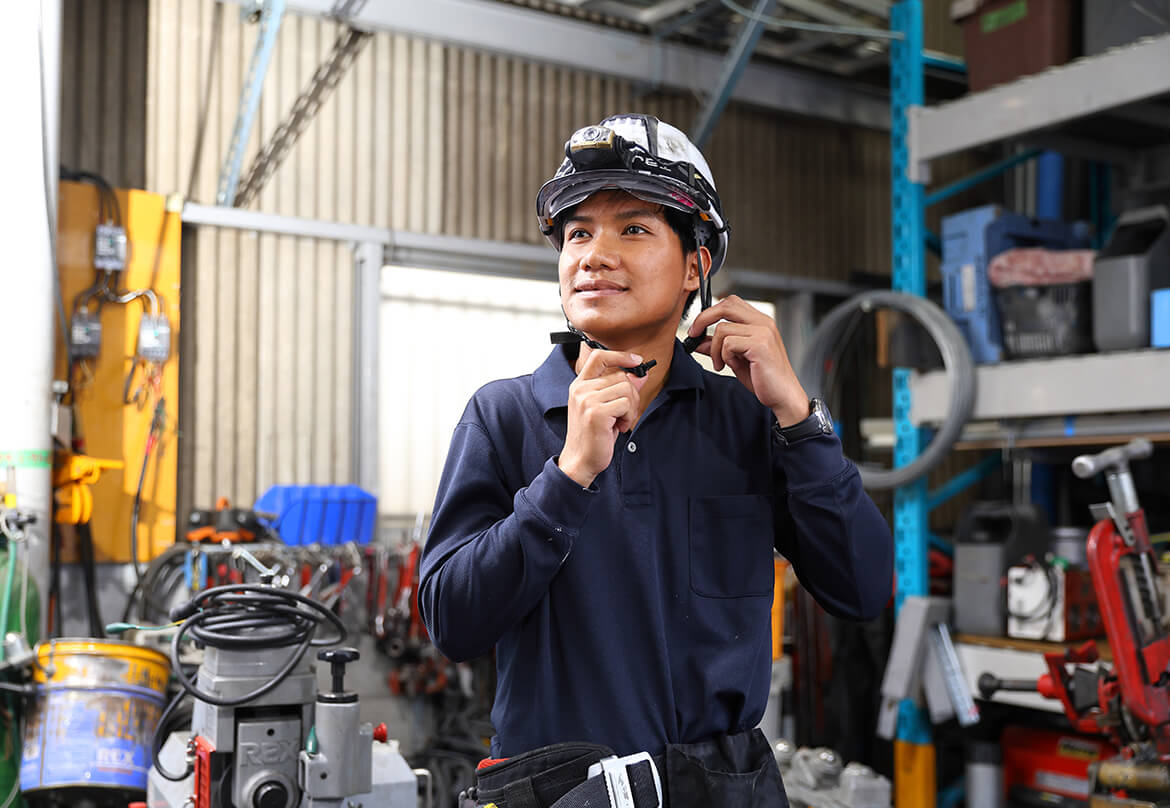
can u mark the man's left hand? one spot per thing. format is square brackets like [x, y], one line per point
[747, 341]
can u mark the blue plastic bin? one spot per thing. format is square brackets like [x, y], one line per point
[320, 514]
[969, 241]
[1160, 318]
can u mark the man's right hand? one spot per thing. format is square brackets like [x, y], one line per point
[603, 402]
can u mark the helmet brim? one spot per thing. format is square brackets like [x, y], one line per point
[561, 193]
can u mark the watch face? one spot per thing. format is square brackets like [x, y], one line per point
[821, 412]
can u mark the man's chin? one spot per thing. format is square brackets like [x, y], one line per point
[601, 328]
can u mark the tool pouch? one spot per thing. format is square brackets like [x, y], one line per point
[731, 770]
[538, 778]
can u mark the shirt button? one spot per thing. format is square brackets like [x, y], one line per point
[631, 447]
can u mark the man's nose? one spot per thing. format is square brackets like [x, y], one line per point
[602, 253]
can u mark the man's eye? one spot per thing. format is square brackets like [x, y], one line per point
[577, 233]
[636, 229]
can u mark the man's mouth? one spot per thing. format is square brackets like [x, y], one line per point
[598, 288]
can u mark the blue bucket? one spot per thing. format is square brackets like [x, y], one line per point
[95, 713]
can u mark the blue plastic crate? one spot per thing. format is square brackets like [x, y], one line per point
[321, 514]
[969, 241]
[1160, 318]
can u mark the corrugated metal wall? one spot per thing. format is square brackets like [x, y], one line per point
[427, 138]
[268, 317]
[103, 89]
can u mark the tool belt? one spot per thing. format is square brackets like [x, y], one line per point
[737, 771]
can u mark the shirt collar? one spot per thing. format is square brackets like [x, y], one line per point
[550, 381]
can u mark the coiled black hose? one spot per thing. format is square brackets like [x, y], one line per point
[251, 617]
[245, 617]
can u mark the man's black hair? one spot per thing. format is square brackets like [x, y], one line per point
[683, 225]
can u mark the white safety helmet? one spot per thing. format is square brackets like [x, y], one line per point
[646, 158]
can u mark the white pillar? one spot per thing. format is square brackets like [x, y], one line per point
[30, 44]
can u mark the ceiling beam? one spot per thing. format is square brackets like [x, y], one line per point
[734, 63]
[553, 39]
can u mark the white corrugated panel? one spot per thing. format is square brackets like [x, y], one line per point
[268, 331]
[445, 335]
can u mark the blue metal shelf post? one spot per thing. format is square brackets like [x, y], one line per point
[914, 759]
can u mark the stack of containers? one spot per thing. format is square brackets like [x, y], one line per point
[971, 240]
[320, 514]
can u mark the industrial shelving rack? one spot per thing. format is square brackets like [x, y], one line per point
[1110, 107]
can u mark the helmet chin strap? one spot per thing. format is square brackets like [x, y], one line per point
[691, 343]
[572, 334]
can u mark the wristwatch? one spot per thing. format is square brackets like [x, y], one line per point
[818, 422]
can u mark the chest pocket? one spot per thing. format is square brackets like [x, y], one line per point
[731, 546]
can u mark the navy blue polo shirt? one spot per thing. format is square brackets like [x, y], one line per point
[636, 613]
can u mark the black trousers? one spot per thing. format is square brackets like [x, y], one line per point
[732, 771]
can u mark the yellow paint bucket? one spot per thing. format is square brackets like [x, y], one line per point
[94, 714]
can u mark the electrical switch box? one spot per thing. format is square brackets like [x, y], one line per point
[154, 338]
[109, 247]
[85, 334]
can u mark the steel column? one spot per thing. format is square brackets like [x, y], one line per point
[368, 260]
[914, 754]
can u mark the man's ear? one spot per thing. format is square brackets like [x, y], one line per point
[699, 260]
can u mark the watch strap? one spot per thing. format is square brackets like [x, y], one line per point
[817, 423]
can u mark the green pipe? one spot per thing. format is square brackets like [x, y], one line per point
[9, 579]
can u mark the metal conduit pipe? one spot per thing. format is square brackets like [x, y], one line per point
[956, 357]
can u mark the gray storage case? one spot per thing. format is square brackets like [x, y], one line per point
[1134, 262]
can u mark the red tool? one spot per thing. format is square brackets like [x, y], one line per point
[1124, 570]
[1040, 764]
[1130, 703]
[203, 773]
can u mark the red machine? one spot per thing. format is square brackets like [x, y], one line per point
[1040, 764]
[1130, 703]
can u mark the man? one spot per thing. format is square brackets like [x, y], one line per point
[607, 523]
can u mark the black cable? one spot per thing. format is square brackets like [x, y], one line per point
[55, 578]
[89, 579]
[134, 513]
[251, 617]
[163, 730]
[156, 427]
[157, 600]
[239, 617]
[173, 553]
[108, 198]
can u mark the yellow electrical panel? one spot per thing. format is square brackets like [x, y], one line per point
[116, 394]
